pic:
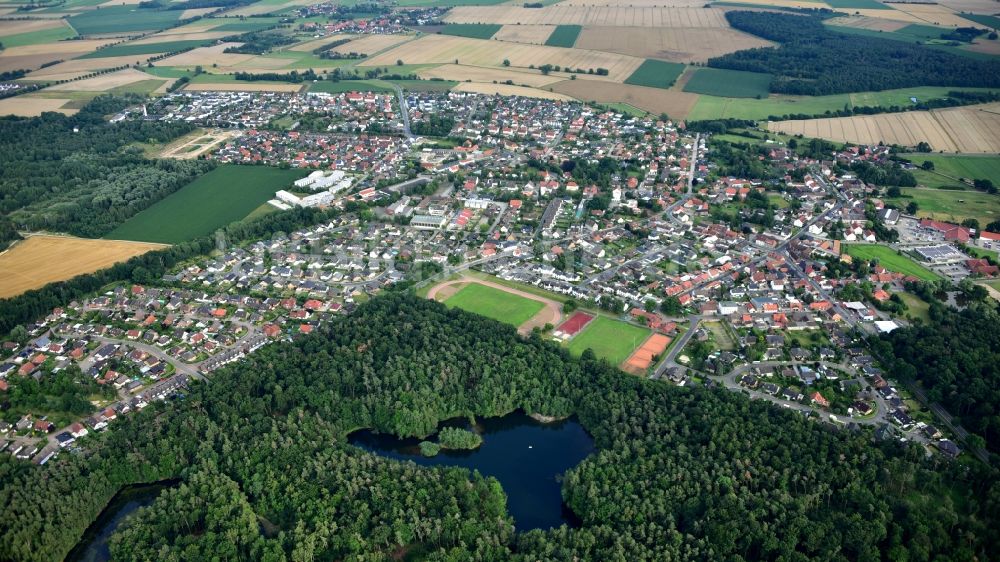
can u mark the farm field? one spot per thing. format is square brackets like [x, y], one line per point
[673, 44]
[226, 194]
[488, 74]
[533, 34]
[371, 44]
[610, 339]
[857, 4]
[244, 87]
[674, 103]
[866, 22]
[564, 36]
[44, 35]
[122, 19]
[350, 86]
[656, 74]
[508, 90]
[494, 303]
[106, 82]
[614, 16]
[955, 166]
[442, 49]
[729, 83]
[970, 129]
[33, 56]
[32, 107]
[952, 206]
[889, 259]
[472, 30]
[39, 260]
[131, 49]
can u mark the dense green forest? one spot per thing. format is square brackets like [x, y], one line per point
[79, 174]
[956, 357]
[812, 60]
[681, 474]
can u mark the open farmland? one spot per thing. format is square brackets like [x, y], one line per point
[952, 206]
[461, 73]
[441, 49]
[31, 106]
[610, 339]
[729, 83]
[508, 90]
[32, 56]
[867, 22]
[532, 34]
[674, 103]
[242, 87]
[857, 4]
[889, 259]
[123, 19]
[495, 303]
[934, 14]
[32, 32]
[226, 194]
[968, 167]
[110, 81]
[208, 56]
[673, 44]
[132, 49]
[40, 260]
[656, 74]
[971, 129]
[371, 44]
[473, 30]
[564, 36]
[614, 16]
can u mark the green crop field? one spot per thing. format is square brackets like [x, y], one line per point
[564, 36]
[716, 107]
[472, 30]
[118, 19]
[350, 86]
[729, 83]
[37, 37]
[610, 339]
[989, 21]
[656, 74]
[889, 259]
[128, 49]
[494, 303]
[226, 194]
[952, 206]
[970, 167]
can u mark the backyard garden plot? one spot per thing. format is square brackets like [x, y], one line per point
[564, 36]
[673, 44]
[531, 34]
[441, 49]
[610, 339]
[889, 259]
[472, 30]
[494, 303]
[656, 74]
[614, 16]
[729, 83]
[226, 194]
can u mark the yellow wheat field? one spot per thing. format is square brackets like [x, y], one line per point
[532, 34]
[867, 22]
[506, 90]
[241, 87]
[371, 44]
[674, 103]
[104, 82]
[934, 14]
[616, 16]
[461, 73]
[679, 45]
[971, 129]
[31, 107]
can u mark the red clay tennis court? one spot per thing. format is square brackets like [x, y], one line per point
[643, 357]
[574, 324]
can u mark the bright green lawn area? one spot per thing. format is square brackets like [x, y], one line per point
[610, 339]
[916, 307]
[715, 107]
[729, 83]
[889, 259]
[473, 30]
[984, 167]
[226, 194]
[952, 206]
[350, 86]
[564, 36]
[118, 19]
[656, 74]
[36, 37]
[128, 49]
[494, 303]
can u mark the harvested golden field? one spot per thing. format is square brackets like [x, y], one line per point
[189, 36]
[40, 260]
[987, 7]
[506, 90]
[196, 12]
[195, 144]
[678, 45]
[242, 87]
[985, 46]
[317, 43]
[674, 103]
[867, 22]
[80, 67]
[103, 82]
[786, 3]
[33, 56]
[532, 34]
[896, 15]
[443, 49]
[971, 129]
[371, 44]
[616, 16]
[16, 27]
[31, 107]
[207, 56]
[461, 73]
[934, 14]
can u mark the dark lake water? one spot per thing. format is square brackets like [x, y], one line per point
[93, 547]
[526, 456]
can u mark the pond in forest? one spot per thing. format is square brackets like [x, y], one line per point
[526, 456]
[93, 547]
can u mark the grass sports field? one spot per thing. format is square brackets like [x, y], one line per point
[952, 206]
[564, 36]
[118, 19]
[610, 339]
[889, 259]
[226, 194]
[495, 303]
[656, 74]
[729, 83]
[472, 30]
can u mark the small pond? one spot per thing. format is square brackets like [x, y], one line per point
[527, 457]
[93, 547]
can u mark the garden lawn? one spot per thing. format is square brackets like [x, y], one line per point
[729, 83]
[226, 194]
[495, 303]
[889, 259]
[610, 339]
[656, 74]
